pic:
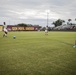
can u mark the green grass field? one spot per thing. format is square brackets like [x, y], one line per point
[34, 53]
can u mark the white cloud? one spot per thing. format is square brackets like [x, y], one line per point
[35, 11]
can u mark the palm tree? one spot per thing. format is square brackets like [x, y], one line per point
[63, 21]
[69, 21]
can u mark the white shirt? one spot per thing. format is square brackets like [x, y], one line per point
[5, 28]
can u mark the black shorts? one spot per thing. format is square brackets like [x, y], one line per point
[6, 32]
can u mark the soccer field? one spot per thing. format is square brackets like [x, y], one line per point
[34, 53]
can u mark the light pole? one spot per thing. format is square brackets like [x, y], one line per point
[47, 18]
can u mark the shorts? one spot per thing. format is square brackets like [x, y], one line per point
[46, 31]
[5, 32]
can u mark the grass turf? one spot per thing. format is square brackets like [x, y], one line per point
[34, 53]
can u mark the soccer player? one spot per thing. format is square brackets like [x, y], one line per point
[46, 30]
[5, 30]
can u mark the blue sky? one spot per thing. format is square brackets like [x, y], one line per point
[35, 11]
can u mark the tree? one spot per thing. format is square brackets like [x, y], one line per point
[22, 24]
[75, 19]
[69, 21]
[58, 22]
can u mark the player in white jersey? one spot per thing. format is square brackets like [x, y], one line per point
[5, 30]
[46, 30]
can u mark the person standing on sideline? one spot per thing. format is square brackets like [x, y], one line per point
[46, 30]
[5, 30]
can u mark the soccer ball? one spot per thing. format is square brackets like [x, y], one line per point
[14, 37]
